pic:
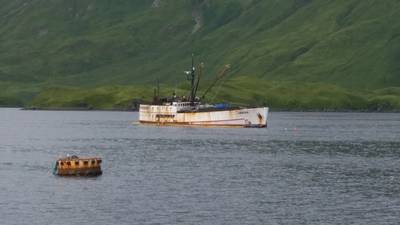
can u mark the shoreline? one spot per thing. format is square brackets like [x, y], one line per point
[136, 110]
[75, 109]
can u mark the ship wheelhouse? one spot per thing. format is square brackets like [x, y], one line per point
[186, 106]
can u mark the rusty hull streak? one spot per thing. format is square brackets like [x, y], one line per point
[181, 124]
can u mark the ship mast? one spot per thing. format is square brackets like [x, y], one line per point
[192, 78]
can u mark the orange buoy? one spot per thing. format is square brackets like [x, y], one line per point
[75, 166]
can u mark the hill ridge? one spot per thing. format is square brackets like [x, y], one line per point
[353, 44]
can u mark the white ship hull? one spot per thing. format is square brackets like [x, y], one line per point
[170, 115]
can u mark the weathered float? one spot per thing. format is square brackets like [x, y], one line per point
[76, 166]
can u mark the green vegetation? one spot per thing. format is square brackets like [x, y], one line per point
[239, 91]
[290, 55]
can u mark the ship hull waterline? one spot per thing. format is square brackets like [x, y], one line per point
[169, 116]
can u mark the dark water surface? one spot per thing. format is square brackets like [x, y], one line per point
[306, 168]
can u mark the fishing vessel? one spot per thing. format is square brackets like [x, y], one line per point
[190, 111]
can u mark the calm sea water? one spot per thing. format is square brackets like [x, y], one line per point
[306, 168]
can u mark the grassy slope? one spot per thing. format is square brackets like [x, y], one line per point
[347, 48]
[287, 95]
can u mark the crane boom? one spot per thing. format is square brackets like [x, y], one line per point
[220, 75]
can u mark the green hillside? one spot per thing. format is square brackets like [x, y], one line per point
[292, 54]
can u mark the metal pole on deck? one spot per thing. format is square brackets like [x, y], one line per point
[192, 82]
